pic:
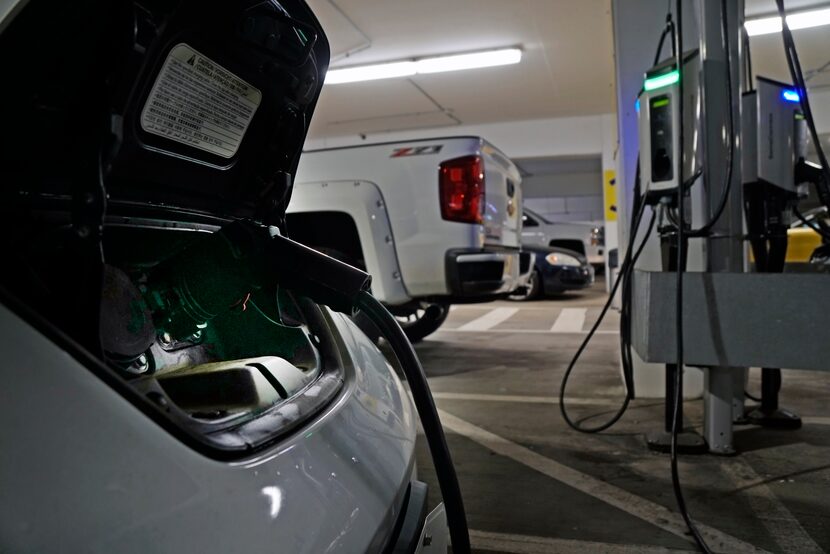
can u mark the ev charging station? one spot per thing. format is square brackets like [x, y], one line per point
[737, 153]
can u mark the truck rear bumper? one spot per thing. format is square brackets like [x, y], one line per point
[483, 271]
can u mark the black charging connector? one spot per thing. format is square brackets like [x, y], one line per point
[324, 279]
[219, 270]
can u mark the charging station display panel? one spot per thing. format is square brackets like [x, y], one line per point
[662, 150]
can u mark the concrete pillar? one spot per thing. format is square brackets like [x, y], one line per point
[637, 28]
[610, 142]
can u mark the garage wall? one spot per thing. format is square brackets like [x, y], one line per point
[564, 188]
[820, 102]
[565, 136]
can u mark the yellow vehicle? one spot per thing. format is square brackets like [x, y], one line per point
[802, 240]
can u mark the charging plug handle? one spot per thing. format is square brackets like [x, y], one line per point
[315, 275]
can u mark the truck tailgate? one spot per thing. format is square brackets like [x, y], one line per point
[503, 198]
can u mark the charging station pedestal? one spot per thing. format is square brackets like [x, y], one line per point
[650, 380]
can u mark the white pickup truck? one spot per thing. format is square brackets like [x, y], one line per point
[434, 221]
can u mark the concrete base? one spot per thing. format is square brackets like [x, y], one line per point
[688, 442]
[650, 380]
[779, 419]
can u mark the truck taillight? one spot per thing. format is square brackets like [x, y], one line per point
[461, 186]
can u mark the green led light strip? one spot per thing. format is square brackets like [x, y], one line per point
[662, 80]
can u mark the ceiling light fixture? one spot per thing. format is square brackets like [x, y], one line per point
[437, 64]
[801, 20]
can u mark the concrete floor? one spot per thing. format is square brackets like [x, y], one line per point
[533, 485]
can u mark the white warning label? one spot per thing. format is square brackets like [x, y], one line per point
[197, 102]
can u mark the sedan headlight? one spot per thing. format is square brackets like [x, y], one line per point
[598, 236]
[558, 258]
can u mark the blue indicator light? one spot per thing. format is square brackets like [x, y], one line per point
[637, 105]
[790, 96]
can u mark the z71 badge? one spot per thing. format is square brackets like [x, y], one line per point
[416, 151]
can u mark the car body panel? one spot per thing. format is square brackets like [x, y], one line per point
[409, 187]
[90, 464]
[136, 67]
[802, 240]
[801, 243]
[92, 473]
[364, 202]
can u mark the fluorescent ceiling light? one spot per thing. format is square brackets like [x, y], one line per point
[436, 64]
[801, 20]
[469, 61]
[370, 72]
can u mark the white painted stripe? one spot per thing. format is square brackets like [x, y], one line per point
[489, 320]
[521, 398]
[523, 308]
[648, 511]
[815, 420]
[463, 329]
[525, 544]
[570, 320]
[783, 527]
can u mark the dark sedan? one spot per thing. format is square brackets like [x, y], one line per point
[555, 270]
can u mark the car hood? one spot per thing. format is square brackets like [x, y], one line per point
[188, 105]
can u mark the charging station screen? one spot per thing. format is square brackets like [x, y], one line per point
[662, 164]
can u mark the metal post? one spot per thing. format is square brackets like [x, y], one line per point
[634, 55]
[688, 441]
[724, 252]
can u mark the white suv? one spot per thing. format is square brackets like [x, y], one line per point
[585, 238]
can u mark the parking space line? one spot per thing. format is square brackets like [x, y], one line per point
[637, 506]
[520, 398]
[552, 307]
[489, 320]
[570, 320]
[526, 544]
[463, 329]
[816, 420]
[783, 527]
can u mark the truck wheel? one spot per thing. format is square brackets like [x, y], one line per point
[533, 289]
[421, 318]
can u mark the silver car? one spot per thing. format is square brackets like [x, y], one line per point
[157, 396]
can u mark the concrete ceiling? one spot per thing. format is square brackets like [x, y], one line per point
[813, 46]
[567, 68]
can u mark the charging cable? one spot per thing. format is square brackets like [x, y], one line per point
[681, 258]
[345, 288]
[424, 403]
